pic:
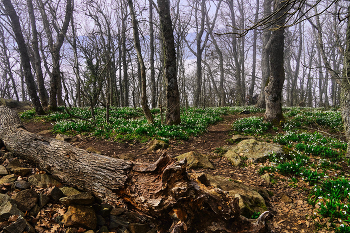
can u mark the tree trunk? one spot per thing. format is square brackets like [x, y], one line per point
[142, 69]
[25, 60]
[162, 190]
[37, 61]
[151, 56]
[255, 38]
[273, 90]
[265, 57]
[172, 92]
[125, 85]
[345, 87]
[7, 65]
[55, 81]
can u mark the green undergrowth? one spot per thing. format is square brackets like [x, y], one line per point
[307, 117]
[316, 158]
[129, 124]
[251, 125]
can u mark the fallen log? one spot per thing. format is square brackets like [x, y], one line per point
[163, 190]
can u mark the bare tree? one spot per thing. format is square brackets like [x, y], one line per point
[345, 86]
[273, 90]
[55, 47]
[265, 56]
[144, 103]
[25, 60]
[170, 70]
[36, 56]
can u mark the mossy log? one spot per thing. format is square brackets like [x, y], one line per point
[162, 191]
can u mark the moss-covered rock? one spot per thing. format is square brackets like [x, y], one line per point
[252, 150]
[196, 160]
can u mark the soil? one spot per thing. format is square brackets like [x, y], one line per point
[288, 205]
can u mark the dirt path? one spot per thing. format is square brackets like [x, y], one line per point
[290, 214]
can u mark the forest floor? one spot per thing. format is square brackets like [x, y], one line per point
[288, 204]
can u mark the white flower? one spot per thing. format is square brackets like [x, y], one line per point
[341, 225]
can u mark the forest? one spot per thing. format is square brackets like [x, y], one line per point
[168, 97]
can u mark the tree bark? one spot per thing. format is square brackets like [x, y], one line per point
[255, 38]
[345, 87]
[170, 71]
[55, 85]
[162, 190]
[151, 56]
[265, 57]
[144, 102]
[37, 61]
[25, 60]
[273, 90]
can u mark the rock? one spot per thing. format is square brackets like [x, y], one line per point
[286, 199]
[43, 200]
[22, 171]
[116, 222]
[22, 184]
[35, 210]
[93, 150]
[3, 199]
[250, 200]
[196, 160]
[128, 156]
[25, 199]
[69, 191]
[63, 137]
[138, 228]
[55, 193]
[8, 179]
[14, 163]
[80, 216]
[156, 145]
[104, 210]
[3, 171]
[71, 230]
[16, 227]
[77, 138]
[79, 199]
[43, 132]
[8, 209]
[267, 178]
[100, 220]
[43, 180]
[117, 211]
[253, 150]
[237, 138]
[104, 229]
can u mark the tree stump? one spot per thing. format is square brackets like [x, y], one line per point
[162, 191]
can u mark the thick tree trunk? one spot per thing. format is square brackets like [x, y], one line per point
[170, 71]
[273, 90]
[162, 190]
